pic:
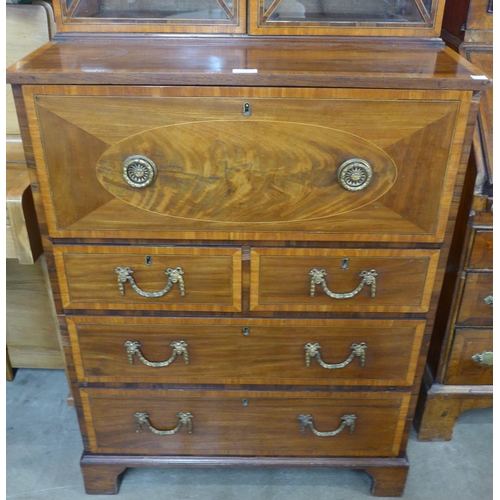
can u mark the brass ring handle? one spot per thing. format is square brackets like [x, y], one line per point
[185, 418]
[139, 171]
[486, 358]
[367, 278]
[488, 300]
[174, 276]
[312, 351]
[354, 174]
[180, 347]
[307, 421]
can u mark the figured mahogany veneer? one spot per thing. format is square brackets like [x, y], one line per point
[225, 175]
[270, 350]
[281, 280]
[247, 195]
[212, 277]
[244, 422]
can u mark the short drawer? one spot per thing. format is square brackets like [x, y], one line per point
[244, 422]
[481, 256]
[364, 280]
[470, 360]
[161, 278]
[246, 351]
[476, 306]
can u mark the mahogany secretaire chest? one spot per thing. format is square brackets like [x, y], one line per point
[247, 227]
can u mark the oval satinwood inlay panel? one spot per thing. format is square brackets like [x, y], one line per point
[246, 171]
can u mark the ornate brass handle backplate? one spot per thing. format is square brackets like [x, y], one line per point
[312, 351]
[174, 276]
[185, 418]
[367, 278]
[180, 347]
[307, 421]
[355, 174]
[486, 358]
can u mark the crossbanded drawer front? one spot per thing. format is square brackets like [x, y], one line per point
[145, 278]
[356, 280]
[246, 351]
[476, 306]
[273, 175]
[471, 358]
[244, 422]
[481, 256]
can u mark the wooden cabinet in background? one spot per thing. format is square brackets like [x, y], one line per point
[459, 372]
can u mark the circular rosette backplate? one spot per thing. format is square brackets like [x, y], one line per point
[139, 171]
[355, 174]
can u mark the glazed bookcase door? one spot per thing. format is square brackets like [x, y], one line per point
[176, 16]
[346, 17]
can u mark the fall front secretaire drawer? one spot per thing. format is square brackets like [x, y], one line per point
[162, 422]
[364, 280]
[246, 163]
[140, 277]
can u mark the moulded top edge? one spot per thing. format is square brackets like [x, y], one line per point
[247, 62]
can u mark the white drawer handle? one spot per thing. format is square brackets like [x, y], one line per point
[174, 276]
[180, 347]
[367, 278]
[312, 351]
[307, 421]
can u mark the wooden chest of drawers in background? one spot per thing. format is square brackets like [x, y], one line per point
[459, 373]
[246, 271]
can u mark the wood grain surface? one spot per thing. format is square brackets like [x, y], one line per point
[294, 62]
[473, 310]
[481, 255]
[269, 352]
[461, 368]
[87, 277]
[224, 424]
[281, 282]
[413, 208]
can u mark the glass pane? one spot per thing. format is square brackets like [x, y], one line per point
[352, 11]
[154, 9]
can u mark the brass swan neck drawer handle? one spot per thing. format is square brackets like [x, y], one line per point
[367, 278]
[486, 358]
[174, 276]
[357, 350]
[185, 418]
[180, 348]
[488, 300]
[307, 421]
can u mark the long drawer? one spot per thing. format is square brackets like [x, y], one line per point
[361, 280]
[256, 351]
[171, 278]
[244, 422]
